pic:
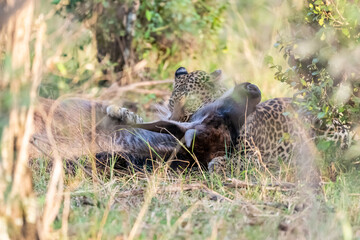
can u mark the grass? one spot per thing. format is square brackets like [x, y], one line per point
[161, 205]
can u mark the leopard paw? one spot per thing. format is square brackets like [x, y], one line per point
[123, 114]
[217, 165]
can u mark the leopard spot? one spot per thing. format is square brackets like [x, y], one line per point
[282, 118]
[280, 149]
[278, 126]
[275, 114]
[285, 128]
[267, 108]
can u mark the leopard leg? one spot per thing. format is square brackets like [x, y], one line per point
[218, 165]
[123, 114]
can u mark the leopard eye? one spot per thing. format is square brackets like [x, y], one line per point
[171, 104]
[180, 71]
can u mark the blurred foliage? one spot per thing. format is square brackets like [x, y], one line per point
[323, 54]
[232, 36]
[162, 33]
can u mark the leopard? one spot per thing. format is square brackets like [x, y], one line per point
[276, 122]
[276, 133]
[271, 133]
[275, 130]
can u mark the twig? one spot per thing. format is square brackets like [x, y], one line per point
[174, 188]
[168, 189]
[235, 183]
[117, 90]
[143, 84]
[354, 194]
[152, 91]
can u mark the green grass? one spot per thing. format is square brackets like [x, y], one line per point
[215, 212]
[100, 210]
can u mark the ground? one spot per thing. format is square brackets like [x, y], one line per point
[198, 205]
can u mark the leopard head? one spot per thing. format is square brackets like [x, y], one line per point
[192, 91]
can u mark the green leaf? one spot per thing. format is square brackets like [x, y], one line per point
[324, 145]
[61, 67]
[321, 115]
[148, 15]
[346, 32]
[315, 73]
[268, 59]
[151, 96]
[147, 34]
[105, 4]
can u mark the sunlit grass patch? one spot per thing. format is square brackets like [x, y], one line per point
[192, 205]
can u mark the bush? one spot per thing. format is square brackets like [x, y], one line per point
[323, 54]
[128, 31]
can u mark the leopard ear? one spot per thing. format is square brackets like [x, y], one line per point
[216, 75]
[180, 71]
